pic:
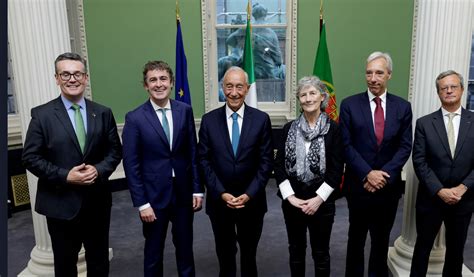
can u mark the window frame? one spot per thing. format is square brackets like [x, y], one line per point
[286, 109]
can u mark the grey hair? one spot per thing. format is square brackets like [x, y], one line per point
[385, 56]
[315, 82]
[236, 68]
[446, 74]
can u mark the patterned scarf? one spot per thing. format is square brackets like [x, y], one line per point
[308, 168]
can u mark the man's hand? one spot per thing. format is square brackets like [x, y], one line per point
[448, 196]
[197, 203]
[312, 205]
[459, 190]
[369, 188]
[147, 215]
[235, 202]
[295, 201]
[82, 175]
[377, 178]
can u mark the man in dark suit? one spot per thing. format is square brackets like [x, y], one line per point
[72, 145]
[443, 158]
[236, 158]
[377, 134]
[159, 143]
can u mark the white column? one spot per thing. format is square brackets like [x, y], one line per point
[441, 40]
[37, 33]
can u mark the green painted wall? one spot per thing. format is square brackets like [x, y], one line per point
[122, 35]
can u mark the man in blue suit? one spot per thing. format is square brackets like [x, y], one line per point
[377, 134]
[159, 145]
[236, 158]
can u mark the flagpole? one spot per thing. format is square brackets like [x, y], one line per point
[177, 11]
[321, 18]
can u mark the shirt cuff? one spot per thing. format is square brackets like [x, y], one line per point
[145, 206]
[286, 189]
[324, 191]
[198, 194]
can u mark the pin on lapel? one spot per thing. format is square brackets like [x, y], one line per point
[93, 114]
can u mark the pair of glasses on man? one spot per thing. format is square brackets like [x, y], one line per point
[66, 76]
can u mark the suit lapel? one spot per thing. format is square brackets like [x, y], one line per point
[246, 127]
[364, 105]
[150, 115]
[63, 117]
[464, 127]
[177, 114]
[391, 116]
[438, 125]
[225, 131]
[91, 125]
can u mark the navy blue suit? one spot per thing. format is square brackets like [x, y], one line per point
[148, 163]
[374, 212]
[437, 169]
[246, 172]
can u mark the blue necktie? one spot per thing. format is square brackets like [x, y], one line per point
[165, 124]
[235, 132]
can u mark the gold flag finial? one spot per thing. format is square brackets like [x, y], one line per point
[321, 10]
[177, 11]
[249, 10]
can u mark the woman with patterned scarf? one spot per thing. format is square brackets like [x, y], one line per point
[308, 168]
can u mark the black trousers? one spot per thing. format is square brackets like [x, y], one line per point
[182, 232]
[319, 226]
[428, 223]
[91, 228]
[377, 217]
[242, 226]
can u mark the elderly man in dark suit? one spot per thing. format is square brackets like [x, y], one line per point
[443, 158]
[159, 142]
[236, 158]
[72, 145]
[377, 134]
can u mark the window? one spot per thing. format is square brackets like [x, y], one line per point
[470, 82]
[273, 42]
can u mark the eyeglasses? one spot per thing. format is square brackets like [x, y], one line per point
[66, 76]
[452, 87]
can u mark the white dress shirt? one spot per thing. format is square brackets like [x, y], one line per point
[240, 119]
[456, 121]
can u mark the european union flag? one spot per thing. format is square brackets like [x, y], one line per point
[181, 83]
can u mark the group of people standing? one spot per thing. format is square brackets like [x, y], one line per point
[73, 146]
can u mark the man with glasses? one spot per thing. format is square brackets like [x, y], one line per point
[443, 158]
[72, 145]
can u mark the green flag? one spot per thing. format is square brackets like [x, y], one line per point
[322, 69]
[251, 98]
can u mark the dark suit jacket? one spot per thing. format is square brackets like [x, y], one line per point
[434, 166]
[51, 149]
[334, 164]
[148, 160]
[361, 151]
[248, 172]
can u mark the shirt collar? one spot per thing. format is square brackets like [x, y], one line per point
[67, 103]
[229, 112]
[445, 112]
[383, 97]
[156, 107]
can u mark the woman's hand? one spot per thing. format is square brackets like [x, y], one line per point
[311, 205]
[298, 203]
